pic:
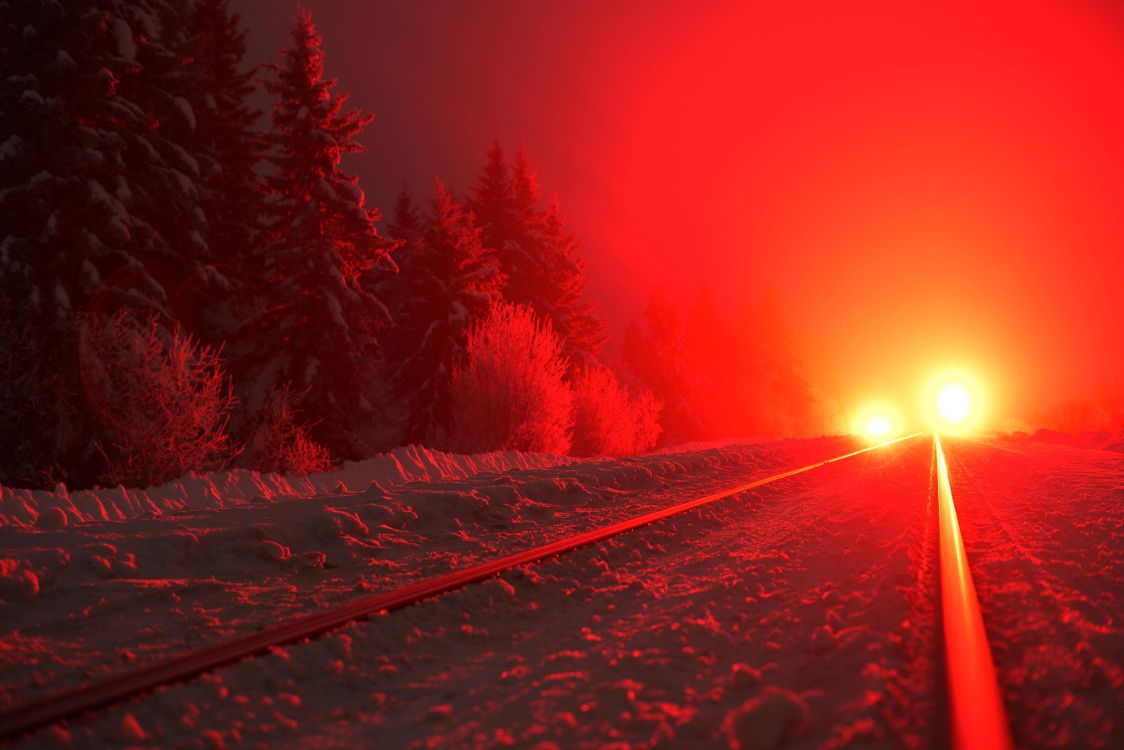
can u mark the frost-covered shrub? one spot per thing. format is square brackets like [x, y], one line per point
[509, 392]
[609, 420]
[646, 409]
[163, 399]
[281, 443]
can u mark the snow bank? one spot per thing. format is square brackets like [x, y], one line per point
[23, 507]
[1105, 441]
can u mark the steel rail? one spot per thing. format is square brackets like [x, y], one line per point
[976, 713]
[73, 702]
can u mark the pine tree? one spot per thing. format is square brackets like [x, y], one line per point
[316, 320]
[536, 252]
[97, 204]
[493, 202]
[165, 171]
[449, 279]
[228, 147]
[407, 223]
[563, 289]
[93, 177]
[657, 357]
[792, 407]
[227, 150]
[410, 293]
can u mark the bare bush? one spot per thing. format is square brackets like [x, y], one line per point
[609, 420]
[281, 443]
[509, 392]
[164, 399]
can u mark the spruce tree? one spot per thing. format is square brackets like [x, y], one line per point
[165, 166]
[410, 293]
[228, 147]
[449, 280]
[316, 320]
[493, 201]
[95, 179]
[536, 252]
[563, 289]
[98, 208]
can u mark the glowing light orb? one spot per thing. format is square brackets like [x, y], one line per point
[954, 403]
[878, 425]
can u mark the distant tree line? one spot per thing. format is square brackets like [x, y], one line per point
[723, 373]
[183, 287]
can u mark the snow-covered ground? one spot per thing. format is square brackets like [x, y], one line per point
[1043, 526]
[211, 557]
[54, 509]
[801, 614]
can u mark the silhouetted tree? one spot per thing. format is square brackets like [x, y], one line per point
[448, 280]
[98, 203]
[29, 393]
[710, 350]
[657, 356]
[229, 148]
[315, 325]
[723, 379]
[537, 254]
[410, 293]
[788, 405]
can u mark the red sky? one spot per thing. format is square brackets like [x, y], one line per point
[925, 187]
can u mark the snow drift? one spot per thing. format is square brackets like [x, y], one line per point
[24, 507]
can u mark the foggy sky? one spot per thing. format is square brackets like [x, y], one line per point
[926, 188]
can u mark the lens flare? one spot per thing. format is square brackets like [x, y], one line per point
[954, 403]
[878, 425]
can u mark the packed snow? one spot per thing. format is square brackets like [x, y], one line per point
[802, 614]
[212, 556]
[1043, 526]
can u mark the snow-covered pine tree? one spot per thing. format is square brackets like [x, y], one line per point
[163, 165]
[316, 321]
[410, 293]
[538, 256]
[228, 147]
[563, 289]
[449, 279]
[97, 205]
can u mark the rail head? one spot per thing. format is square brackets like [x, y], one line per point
[976, 712]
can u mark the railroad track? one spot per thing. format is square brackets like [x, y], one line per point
[976, 713]
[976, 709]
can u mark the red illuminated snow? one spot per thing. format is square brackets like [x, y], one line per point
[801, 614]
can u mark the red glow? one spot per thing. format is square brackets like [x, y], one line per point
[926, 186]
[976, 707]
